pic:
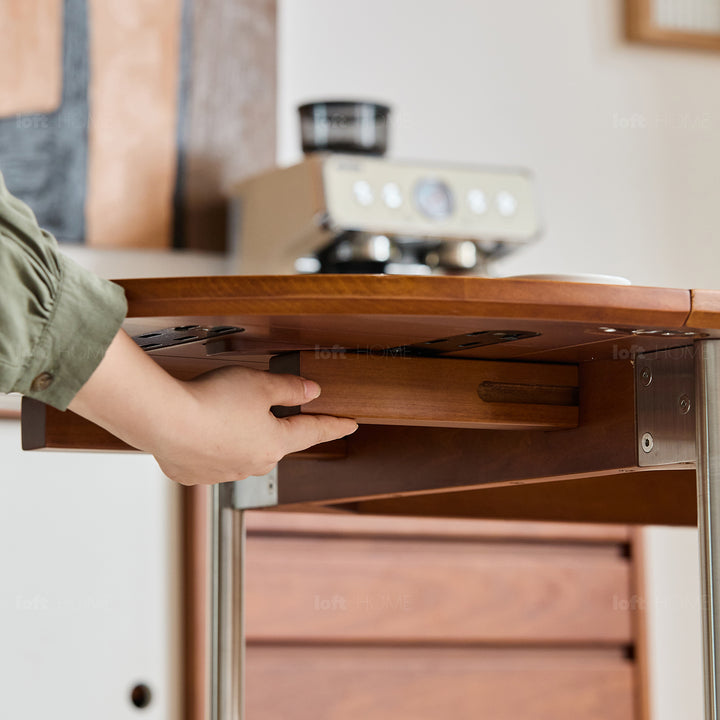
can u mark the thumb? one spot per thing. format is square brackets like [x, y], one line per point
[292, 390]
[304, 431]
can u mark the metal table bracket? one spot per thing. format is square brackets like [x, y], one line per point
[664, 400]
[257, 491]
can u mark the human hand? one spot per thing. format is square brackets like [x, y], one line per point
[215, 428]
[227, 431]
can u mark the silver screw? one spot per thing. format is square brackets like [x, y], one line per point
[647, 442]
[646, 376]
[684, 404]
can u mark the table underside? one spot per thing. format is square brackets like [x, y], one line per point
[586, 473]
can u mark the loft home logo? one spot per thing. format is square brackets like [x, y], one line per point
[367, 603]
[680, 121]
[632, 351]
[338, 352]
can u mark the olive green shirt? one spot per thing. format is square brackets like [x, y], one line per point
[56, 318]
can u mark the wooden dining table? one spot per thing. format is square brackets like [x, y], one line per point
[476, 398]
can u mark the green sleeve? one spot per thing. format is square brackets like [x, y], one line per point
[56, 318]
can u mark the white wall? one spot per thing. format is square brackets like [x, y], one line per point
[624, 140]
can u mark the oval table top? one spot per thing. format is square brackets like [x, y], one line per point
[549, 320]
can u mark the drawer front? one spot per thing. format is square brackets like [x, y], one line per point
[335, 683]
[403, 590]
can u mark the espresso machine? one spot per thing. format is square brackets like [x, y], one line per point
[348, 209]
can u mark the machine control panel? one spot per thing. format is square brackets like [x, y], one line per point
[420, 200]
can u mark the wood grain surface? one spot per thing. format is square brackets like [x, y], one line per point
[405, 295]
[402, 461]
[363, 617]
[659, 497]
[446, 590]
[356, 683]
[571, 322]
[568, 322]
[705, 312]
[436, 392]
[262, 522]
[31, 67]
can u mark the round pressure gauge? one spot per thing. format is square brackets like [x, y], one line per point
[434, 198]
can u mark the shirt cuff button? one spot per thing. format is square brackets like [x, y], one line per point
[42, 382]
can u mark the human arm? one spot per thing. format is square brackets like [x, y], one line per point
[61, 343]
[56, 318]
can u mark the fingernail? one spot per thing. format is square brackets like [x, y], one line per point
[312, 389]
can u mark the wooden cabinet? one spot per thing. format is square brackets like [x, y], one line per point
[351, 618]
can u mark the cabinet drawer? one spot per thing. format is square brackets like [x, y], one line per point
[336, 683]
[384, 589]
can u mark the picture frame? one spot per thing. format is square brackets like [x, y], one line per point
[672, 23]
